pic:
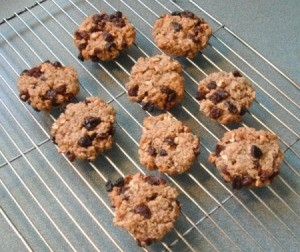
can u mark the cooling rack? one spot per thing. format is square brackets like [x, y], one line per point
[48, 203]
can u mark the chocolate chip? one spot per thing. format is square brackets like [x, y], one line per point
[119, 182]
[91, 122]
[142, 210]
[109, 186]
[212, 85]
[197, 151]
[133, 91]
[243, 111]
[170, 141]
[61, 89]
[57, 64]
[82, 35]
[110, 45]
[50, 95]
[24, 96]
[80, 57]
[108, 37]
[264, 176]
[219, 148]
[256, 152]
[236, 73]
[200, 96]
[85, 141]
[163, 152]
[35, 72]
[152, 151]
[247, 180]
[233, 109]
[237, 183]
[177, 26]
[215, 112]
[147, 106]
[70, 156]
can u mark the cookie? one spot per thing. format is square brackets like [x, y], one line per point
[145, 206]
[225, 97]
[248, 158]
[48, 85]
[181, 33]
[102, 36]
[85, 129]
[167, 145]
[156, 81]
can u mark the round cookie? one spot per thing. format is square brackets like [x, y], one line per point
[181, 33]
[248, 158]
[103, 36]
[167, 145]
[156, 81]
[48, 85]
[225, 97]
[145, 206]
[85, 129]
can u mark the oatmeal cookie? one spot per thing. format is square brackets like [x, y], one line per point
[85, 129]
[225, 97]
[145, 206]
[181, 33]
[156, 81]
[248, 158]
[167, 145]
[102, 36]
[48, 85]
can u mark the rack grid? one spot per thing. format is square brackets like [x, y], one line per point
[49, 203]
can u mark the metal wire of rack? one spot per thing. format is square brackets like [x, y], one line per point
[48, 203]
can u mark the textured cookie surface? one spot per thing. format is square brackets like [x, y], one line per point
[167, 145]
[145, 206]
[181, 33]
[85, 129]
[248, 158]
[48, 85]
[224, 97]
[103, 36]
[156, 81]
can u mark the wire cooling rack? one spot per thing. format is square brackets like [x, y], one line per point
[48, 203]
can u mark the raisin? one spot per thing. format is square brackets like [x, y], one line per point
[215, 112]
[275, 174]
[97, 50]
[170, 141]
[197, 151]
[47, 61]
[247, 180]
[91, 122]
[110, 45]
[236, 73]
[153, 197]
[219, 148]
[124, 45]
[94, 58]
[161, 181]
[109, 186]
[119, 14]
[70, 98]
[264, 176]
[50, 95]
[119, 182]
[215, 97]
[82, 35]
[224, 170]
[53, 140]
[187, 14]
[142, 210]
[233, 109]
[177, 26]
[35, 72]
[108, 37]
[82, 46]
[151, 180]
[102, 136]
[256, 152]
[112, 130]
[133, 91]
[152, 151]
[24, 72]
[80, 57]
[236, 183]
[24, 96]
[85, 141]
[61, 89]
[36, 109]
[243, 111]
[223, 94]
[172, 96]
[70, 156]
[147, 106]
[200, 96]
[176, 13]
[212, 85]
[57, 64]
[163, 153]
